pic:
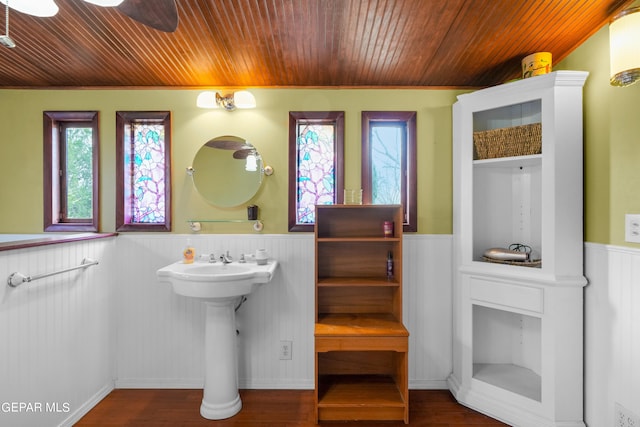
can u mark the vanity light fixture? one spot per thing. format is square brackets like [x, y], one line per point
[624, 46]
[240, 99]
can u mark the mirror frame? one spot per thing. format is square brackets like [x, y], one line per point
[237, 148]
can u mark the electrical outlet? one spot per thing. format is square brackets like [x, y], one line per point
[632, 228]
[286, 348]
[625, 418]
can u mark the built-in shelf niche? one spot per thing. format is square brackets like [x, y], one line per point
[507, 205]
[519, 114]
[507, 350]
[507, 191]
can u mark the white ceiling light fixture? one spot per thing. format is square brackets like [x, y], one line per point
[105, 3]
[41, 8]
[240, 99]
[160, 15]
[5, 40]
[624, 47]
[47, 8]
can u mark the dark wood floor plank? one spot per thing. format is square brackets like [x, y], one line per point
[264, 408]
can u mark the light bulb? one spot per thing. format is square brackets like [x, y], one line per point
[207, 100]
[624, 36]
[252, 163]
[244, 99]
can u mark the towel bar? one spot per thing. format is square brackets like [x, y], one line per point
[16, 279]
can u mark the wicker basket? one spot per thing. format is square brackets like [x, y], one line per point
[508, 142]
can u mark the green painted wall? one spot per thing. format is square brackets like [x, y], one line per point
[266, 127]
[612, 144]
[611, 157]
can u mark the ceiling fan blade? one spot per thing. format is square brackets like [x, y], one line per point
[158, 14]
[242, 154]
[225, 144]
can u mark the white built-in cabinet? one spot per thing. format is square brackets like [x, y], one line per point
[518, 333]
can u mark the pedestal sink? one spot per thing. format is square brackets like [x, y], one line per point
[220, 286]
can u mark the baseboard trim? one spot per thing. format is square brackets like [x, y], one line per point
[76, 415]
[428, 385]
[498, 409]
[277, 385]
[160, 383]
[274, 384]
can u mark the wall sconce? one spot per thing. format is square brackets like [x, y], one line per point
[624, 46]
[240, 99]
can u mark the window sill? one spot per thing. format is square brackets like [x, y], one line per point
[52, 239]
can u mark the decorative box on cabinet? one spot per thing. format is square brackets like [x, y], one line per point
[361, 345]
[519, 328]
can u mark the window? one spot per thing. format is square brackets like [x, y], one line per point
[70, 170]
[316, 164]
[143, 171]
[389, 161]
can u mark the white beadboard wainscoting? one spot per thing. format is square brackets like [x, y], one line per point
[56, 333]
[66, 340]
[160, 334]
[612, 332]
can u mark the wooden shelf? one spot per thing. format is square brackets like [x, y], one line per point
[359, 324]
[361, 345]
[359, 397]
[358, 239]
[356, 281]
[361, 332]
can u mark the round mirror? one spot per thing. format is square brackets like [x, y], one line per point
[227, 171]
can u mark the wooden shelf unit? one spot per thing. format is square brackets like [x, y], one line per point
[361, 345]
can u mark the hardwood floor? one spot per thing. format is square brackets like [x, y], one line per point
[265, 408]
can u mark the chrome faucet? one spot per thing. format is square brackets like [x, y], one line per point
[226, 259]
[207, 258]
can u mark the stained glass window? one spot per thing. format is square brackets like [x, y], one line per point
[145, 186]
[316, 145]
[144, 159]
[316, 171]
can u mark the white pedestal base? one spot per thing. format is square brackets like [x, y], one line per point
[221, 398]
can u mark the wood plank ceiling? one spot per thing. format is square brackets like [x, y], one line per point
[298, 43]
